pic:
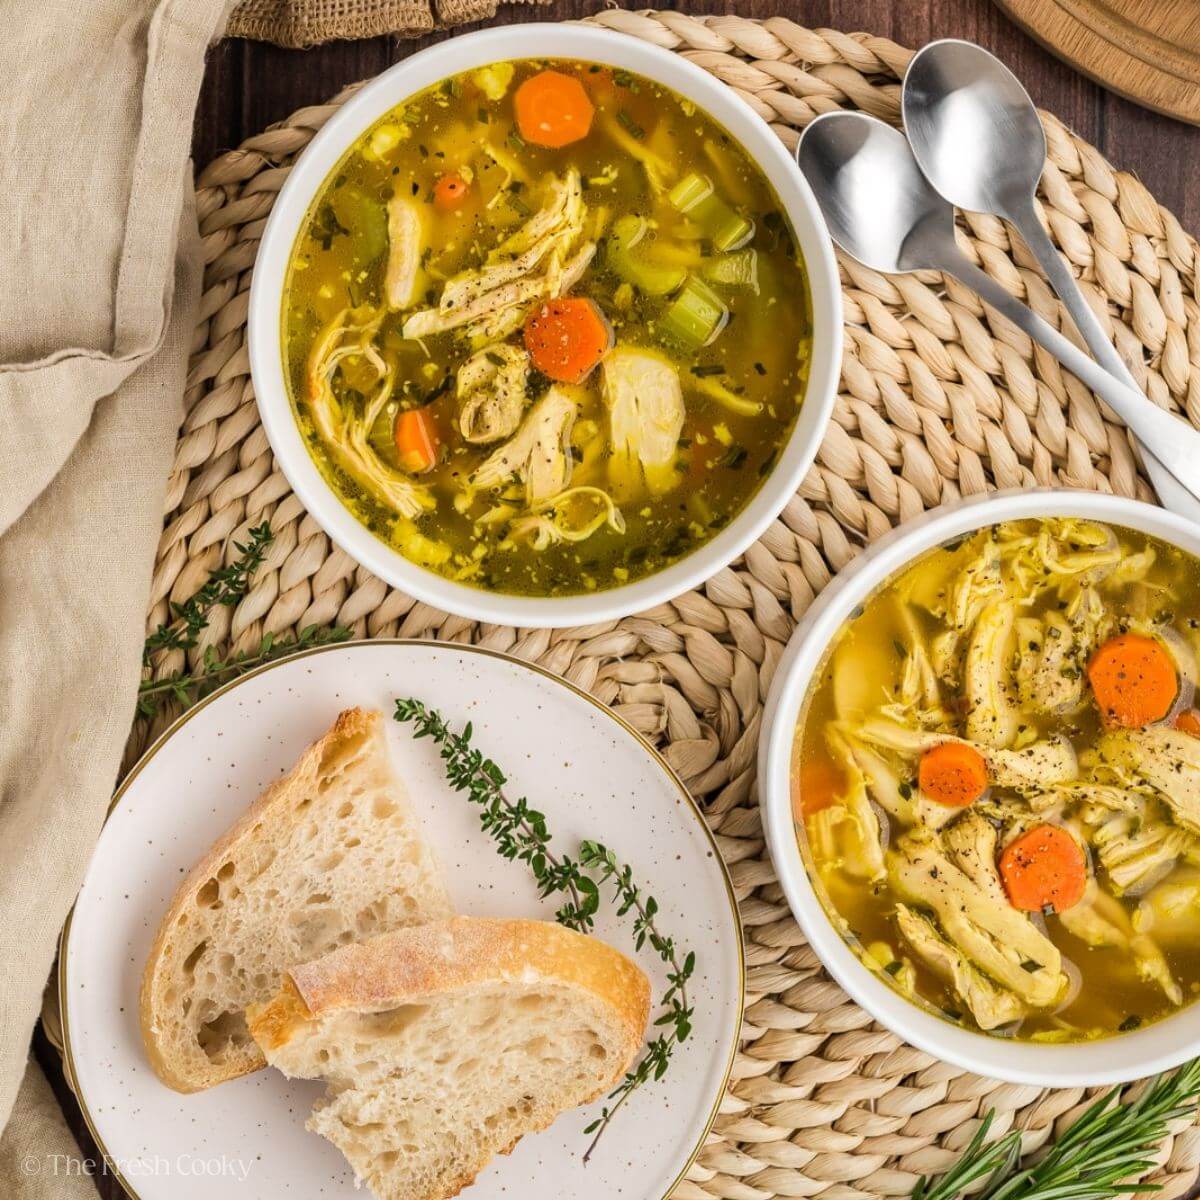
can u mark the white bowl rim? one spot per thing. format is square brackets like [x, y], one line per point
[1116, 1059]
[543, 40]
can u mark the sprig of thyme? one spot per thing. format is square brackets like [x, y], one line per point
[1109, 1147]
[187, 687]
[520, 833]
[678, 1011]
[225, 586]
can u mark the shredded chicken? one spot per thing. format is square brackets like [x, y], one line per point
[1165, 758]
[491, 393]
[571, 516]
[990, 1004]
[405, 244]
[645, 413]
[992, 714]
[1101, 920]
[999, 940]
[538, 453]
[344, 432]
[538, 262]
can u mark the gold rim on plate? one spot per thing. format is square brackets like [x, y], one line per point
[424, 643]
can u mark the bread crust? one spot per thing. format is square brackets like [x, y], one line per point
[352, 726]
[413, 965]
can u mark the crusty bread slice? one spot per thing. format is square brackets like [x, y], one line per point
[443, 1044]
[329, 854]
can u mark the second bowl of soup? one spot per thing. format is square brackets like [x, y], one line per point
[983, 785]
[544, 325]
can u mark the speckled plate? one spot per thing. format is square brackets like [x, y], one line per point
[588, 771]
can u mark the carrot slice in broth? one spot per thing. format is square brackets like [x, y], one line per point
[1133, 679]
[1044, 868]
[953, 774]
[552, 109]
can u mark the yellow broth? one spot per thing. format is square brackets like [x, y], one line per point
[862, 676]
[758, 363]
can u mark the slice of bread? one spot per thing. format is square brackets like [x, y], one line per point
[443, 1044]
[329, 854]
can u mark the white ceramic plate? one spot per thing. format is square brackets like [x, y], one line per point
[590, 774]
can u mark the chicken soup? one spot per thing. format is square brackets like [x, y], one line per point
[997, 781]
[545, 328]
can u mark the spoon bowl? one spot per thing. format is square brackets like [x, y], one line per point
[973, 128]
[977, 137]
[881, 210]
[879, 207]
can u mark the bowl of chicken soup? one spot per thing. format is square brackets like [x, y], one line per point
[981, 785]
[545, 326]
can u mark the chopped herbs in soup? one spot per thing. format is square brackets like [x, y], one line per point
[997, 781]
[545, 327]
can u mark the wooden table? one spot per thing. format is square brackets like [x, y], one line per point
[248, 85]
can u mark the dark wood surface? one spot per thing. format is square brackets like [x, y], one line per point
[248, 85]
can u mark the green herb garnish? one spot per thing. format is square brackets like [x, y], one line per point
[630, 126]
[520, 833]
[225, 586]
[1112, 1144]
[186, 687]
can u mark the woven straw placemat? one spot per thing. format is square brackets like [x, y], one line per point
[938, 398]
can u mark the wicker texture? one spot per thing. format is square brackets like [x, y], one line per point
[938, 398]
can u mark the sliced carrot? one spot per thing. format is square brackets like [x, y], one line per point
[1044, 867]
[567, 337]
[552, 109]
[416, 440]
[818, 784]
[1188, 721]
[1133, 679]
[953, 774]
[450, 192]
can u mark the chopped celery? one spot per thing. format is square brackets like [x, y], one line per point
[691, 190]
[654, 279]
[695, 316]
[364, 218]
[733, 230]
[739, 269]
[694, 196]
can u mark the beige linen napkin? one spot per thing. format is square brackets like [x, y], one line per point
[99, 278]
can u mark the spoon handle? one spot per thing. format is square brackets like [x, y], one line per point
[1175, 444]
[1103, 351]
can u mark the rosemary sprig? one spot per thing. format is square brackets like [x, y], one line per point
[977, 1161]
[1109, 1147]
[225, 586]
[187, 687]
[520, 833]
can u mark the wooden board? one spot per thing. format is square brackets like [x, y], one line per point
[1146, 50]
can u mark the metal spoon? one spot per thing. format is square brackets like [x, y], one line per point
[977, 138]
[882, 211]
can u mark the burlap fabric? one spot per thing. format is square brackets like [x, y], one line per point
[938, 398]
[309, 22]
